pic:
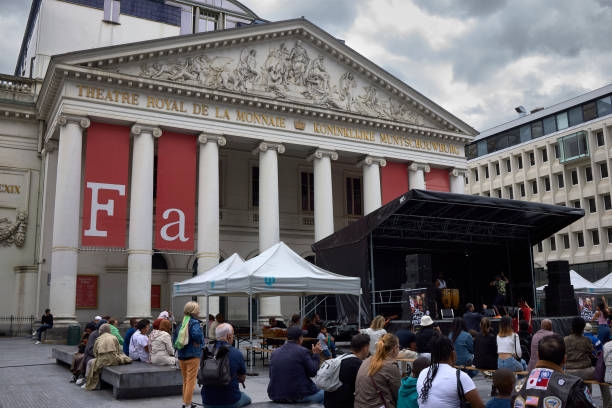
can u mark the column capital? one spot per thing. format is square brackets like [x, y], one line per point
[49, 147]
[320, 153]
[204, 138]
[415, 166]
[369, 160]
[139, 128]
[82, 121]
[456, 172]
[264, 146]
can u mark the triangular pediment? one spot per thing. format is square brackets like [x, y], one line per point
[292, 61]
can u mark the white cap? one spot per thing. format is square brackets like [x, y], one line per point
[98, 318]
[426, 321]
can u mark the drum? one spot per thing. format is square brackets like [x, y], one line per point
[447, 298]
[455, 298]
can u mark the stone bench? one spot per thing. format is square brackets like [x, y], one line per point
[135, 380]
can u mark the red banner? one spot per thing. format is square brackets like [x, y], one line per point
[105, 187]
[176, 192]
[87, 292]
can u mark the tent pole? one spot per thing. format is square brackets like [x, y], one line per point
[359, 312]
[250, 355]
[372, 285]
[533, 288]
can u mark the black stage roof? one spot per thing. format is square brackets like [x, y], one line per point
[460, 218]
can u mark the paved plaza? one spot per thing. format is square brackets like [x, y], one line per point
[29, 377]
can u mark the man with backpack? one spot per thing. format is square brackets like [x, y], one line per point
[344, 396]
[221, 371]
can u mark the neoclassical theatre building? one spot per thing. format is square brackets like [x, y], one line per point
[126, 168]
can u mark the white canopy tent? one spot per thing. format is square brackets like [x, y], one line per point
[604, 284]
[276, 271]
[579, 283]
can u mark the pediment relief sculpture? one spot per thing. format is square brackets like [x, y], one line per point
[14, 232]
[287, 71]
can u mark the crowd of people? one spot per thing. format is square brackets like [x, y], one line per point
[540, 369]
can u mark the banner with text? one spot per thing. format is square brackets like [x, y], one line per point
[107, 158]
[176, 192]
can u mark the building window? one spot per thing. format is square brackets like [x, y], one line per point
[595, 237]
[562, 120]
[519, 162]
[111, 11]
[534, 187]
[609, 230]
[508, 165]
[588, 173]
[560, 182]
[575, 116]
[600, 138]
[525, 133]
[607, 202]
[487, 194]
[580, 239]
[603, 170]
[576, 203]
[574, 146]
[566, 242]
[486, 171]
[497, 172]
[498, 193]
[553, 244]
[544, 153]
[550, 125]
[547, 183]
[307, 183]
[557, 151]
[522, 188]
[540, 249]
[589, 111]
[467, 181]
[353, 196]
[592, 205]
[255, 186]
[536, 129]
[574, 177]
[604, 107]
[531, 159]
[510, 192]
[475, 173]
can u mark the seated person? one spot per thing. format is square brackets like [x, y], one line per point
[295, 320]
[227, 395]
[162, 351]
[503, 383]
[128, 335]
[291, 369]
[344, 396]
[407, 397]
[108, 352]
[115, 330]
[139, 343]
[78, 357]
[273, 323]
[328, 346]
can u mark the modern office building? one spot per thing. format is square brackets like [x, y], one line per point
[557, 155]
[139, 156]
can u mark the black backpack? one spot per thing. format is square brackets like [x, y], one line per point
[215, 366]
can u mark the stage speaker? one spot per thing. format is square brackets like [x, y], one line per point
[448, 314]
[560, 299]
[418, 270]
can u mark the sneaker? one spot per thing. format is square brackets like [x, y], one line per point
[80, 381]
[73, 379]
[83, 386]
[37, 342]
[33, 332]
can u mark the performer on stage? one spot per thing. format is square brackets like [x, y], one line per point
[440, 284]
[500, 284]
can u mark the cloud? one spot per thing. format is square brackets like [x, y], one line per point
[13, 20]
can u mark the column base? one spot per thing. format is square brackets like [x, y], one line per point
[64, 322]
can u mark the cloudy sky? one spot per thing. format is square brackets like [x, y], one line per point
[477, 58]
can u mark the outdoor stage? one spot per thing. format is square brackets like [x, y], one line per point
[420, 235]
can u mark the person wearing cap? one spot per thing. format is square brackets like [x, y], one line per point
[424, 336]
[97, 319]
[291, 370]
[597, 345]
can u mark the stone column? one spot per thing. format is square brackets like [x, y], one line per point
[457, 180]
[323, 197]
[269, 224]
[65, 246]
[372, 196]
[140, 241]
[208, 211]
[416, 175]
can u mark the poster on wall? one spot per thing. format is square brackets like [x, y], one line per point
[87, 292]
[155, 296]
[105, 189]
[586, 307]
[176, 192]
[414, 305]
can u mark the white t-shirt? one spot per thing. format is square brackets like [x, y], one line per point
[374, 336]
[509, 344]
[138, 347]
[443, 391]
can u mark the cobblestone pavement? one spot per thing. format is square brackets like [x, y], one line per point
[29, 377]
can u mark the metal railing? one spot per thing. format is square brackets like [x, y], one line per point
[16, 326]
[394, 296]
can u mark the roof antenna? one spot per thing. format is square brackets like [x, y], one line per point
[521, 111]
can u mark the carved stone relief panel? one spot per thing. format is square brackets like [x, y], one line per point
[291, 70]
[14, 199]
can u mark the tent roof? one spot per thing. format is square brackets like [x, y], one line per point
[605, 282]
[578, 282]
[459, 218]
[202, 283]
[276, 271]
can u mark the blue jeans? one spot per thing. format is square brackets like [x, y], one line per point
[603, 333]
[242, 402]
[512, 364]
[41, 329]
[317, 397]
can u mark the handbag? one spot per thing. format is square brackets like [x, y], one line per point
[380, 394]
[463, 403]
[516, 357]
